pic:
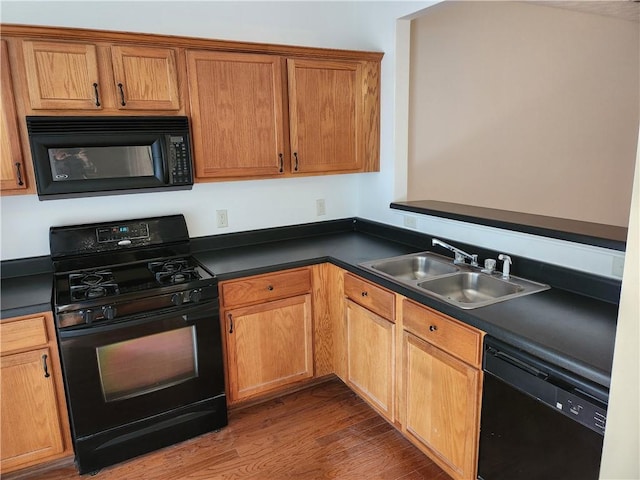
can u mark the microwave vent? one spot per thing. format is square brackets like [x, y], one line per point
[55, 125]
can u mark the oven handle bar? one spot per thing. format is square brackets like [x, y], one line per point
[206, 308]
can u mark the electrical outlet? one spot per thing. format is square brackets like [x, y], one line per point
[410, 221]
[320, 207]
[617, 266]
[221, 218]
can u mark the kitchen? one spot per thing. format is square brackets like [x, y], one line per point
[251, 204]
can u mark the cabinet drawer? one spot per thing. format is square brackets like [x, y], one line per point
[21, 334]
[453, 337]
[266, 287]
[370, 296]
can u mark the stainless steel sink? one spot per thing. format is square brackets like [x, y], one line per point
[461, 285]
[415, 266]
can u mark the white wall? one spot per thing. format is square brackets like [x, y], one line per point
[250, 204]
[364, 25]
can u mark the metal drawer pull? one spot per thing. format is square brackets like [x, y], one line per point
[270, 287]
[433, 328]
[230, 323]
[295, 155]
[281, 169]
[95, 89]
[364, 294]
[122, 102]
[44, 366]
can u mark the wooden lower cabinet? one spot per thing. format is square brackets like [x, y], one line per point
[269, 337]
[370, 357]
[442, 393]
[34, 424]
[270, 346]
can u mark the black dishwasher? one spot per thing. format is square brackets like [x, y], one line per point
[538, 421]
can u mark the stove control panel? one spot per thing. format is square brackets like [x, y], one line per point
[118, 233]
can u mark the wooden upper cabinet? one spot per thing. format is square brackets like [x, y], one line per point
[146, 78]
[77, 76]
[325, 109]
[11, 162]
[62, 75]
[237, 114]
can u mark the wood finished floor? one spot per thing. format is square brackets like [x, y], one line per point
[325, 431]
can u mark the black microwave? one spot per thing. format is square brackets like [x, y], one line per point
[89, 156]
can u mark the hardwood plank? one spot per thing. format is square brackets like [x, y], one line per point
[325, 431]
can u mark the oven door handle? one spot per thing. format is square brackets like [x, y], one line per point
[188, 314]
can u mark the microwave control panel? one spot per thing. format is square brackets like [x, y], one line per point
[179, 160]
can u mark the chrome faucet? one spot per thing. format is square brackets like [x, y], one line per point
[506, 263]
[460, 255]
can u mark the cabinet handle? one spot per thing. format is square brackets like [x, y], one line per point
[295, 167]
[95, 89]
[281, 169]
[433, 328]
[364, 294]
[230, 322]
[270, 287]
[19, 174]
[44, 366]
[122, 102]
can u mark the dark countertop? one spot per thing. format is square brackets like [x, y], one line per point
[26, 295]
[607, 236]
[571, 330]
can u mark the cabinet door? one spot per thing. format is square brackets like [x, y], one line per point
[236, 105]
[269, 346]
[442, 396]
[31, 428]
[145, 78]
[62, 75]
[11, 162]
[324, 113]
[370, 357]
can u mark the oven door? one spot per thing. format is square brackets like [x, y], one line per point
[132, 369]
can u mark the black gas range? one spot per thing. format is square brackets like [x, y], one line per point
[138, 326]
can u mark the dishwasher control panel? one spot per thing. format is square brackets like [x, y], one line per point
[581, 410]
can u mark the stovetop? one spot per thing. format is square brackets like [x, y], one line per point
[114, 283]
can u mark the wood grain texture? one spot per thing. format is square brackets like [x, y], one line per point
[11, 153]
[324, 432]
[61, 75]
[263, 288]
[442, 406]
[370, 296]
[456, 338]
[371, 357]
[23, 333]
[34, 426]
[269, 346]
[325, 109]
[237, 106]
[148, 76]
[324, 322]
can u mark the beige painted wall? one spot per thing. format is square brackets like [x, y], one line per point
[524, 107]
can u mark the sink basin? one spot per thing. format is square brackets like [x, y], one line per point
[461, 285]
[415, 266]
[475, 289]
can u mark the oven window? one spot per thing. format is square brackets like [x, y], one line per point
[100, 162]
[146, 364]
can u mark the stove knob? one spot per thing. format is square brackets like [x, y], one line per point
[109, 312]
[195, 295]
[87, 316]
[177, 299]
